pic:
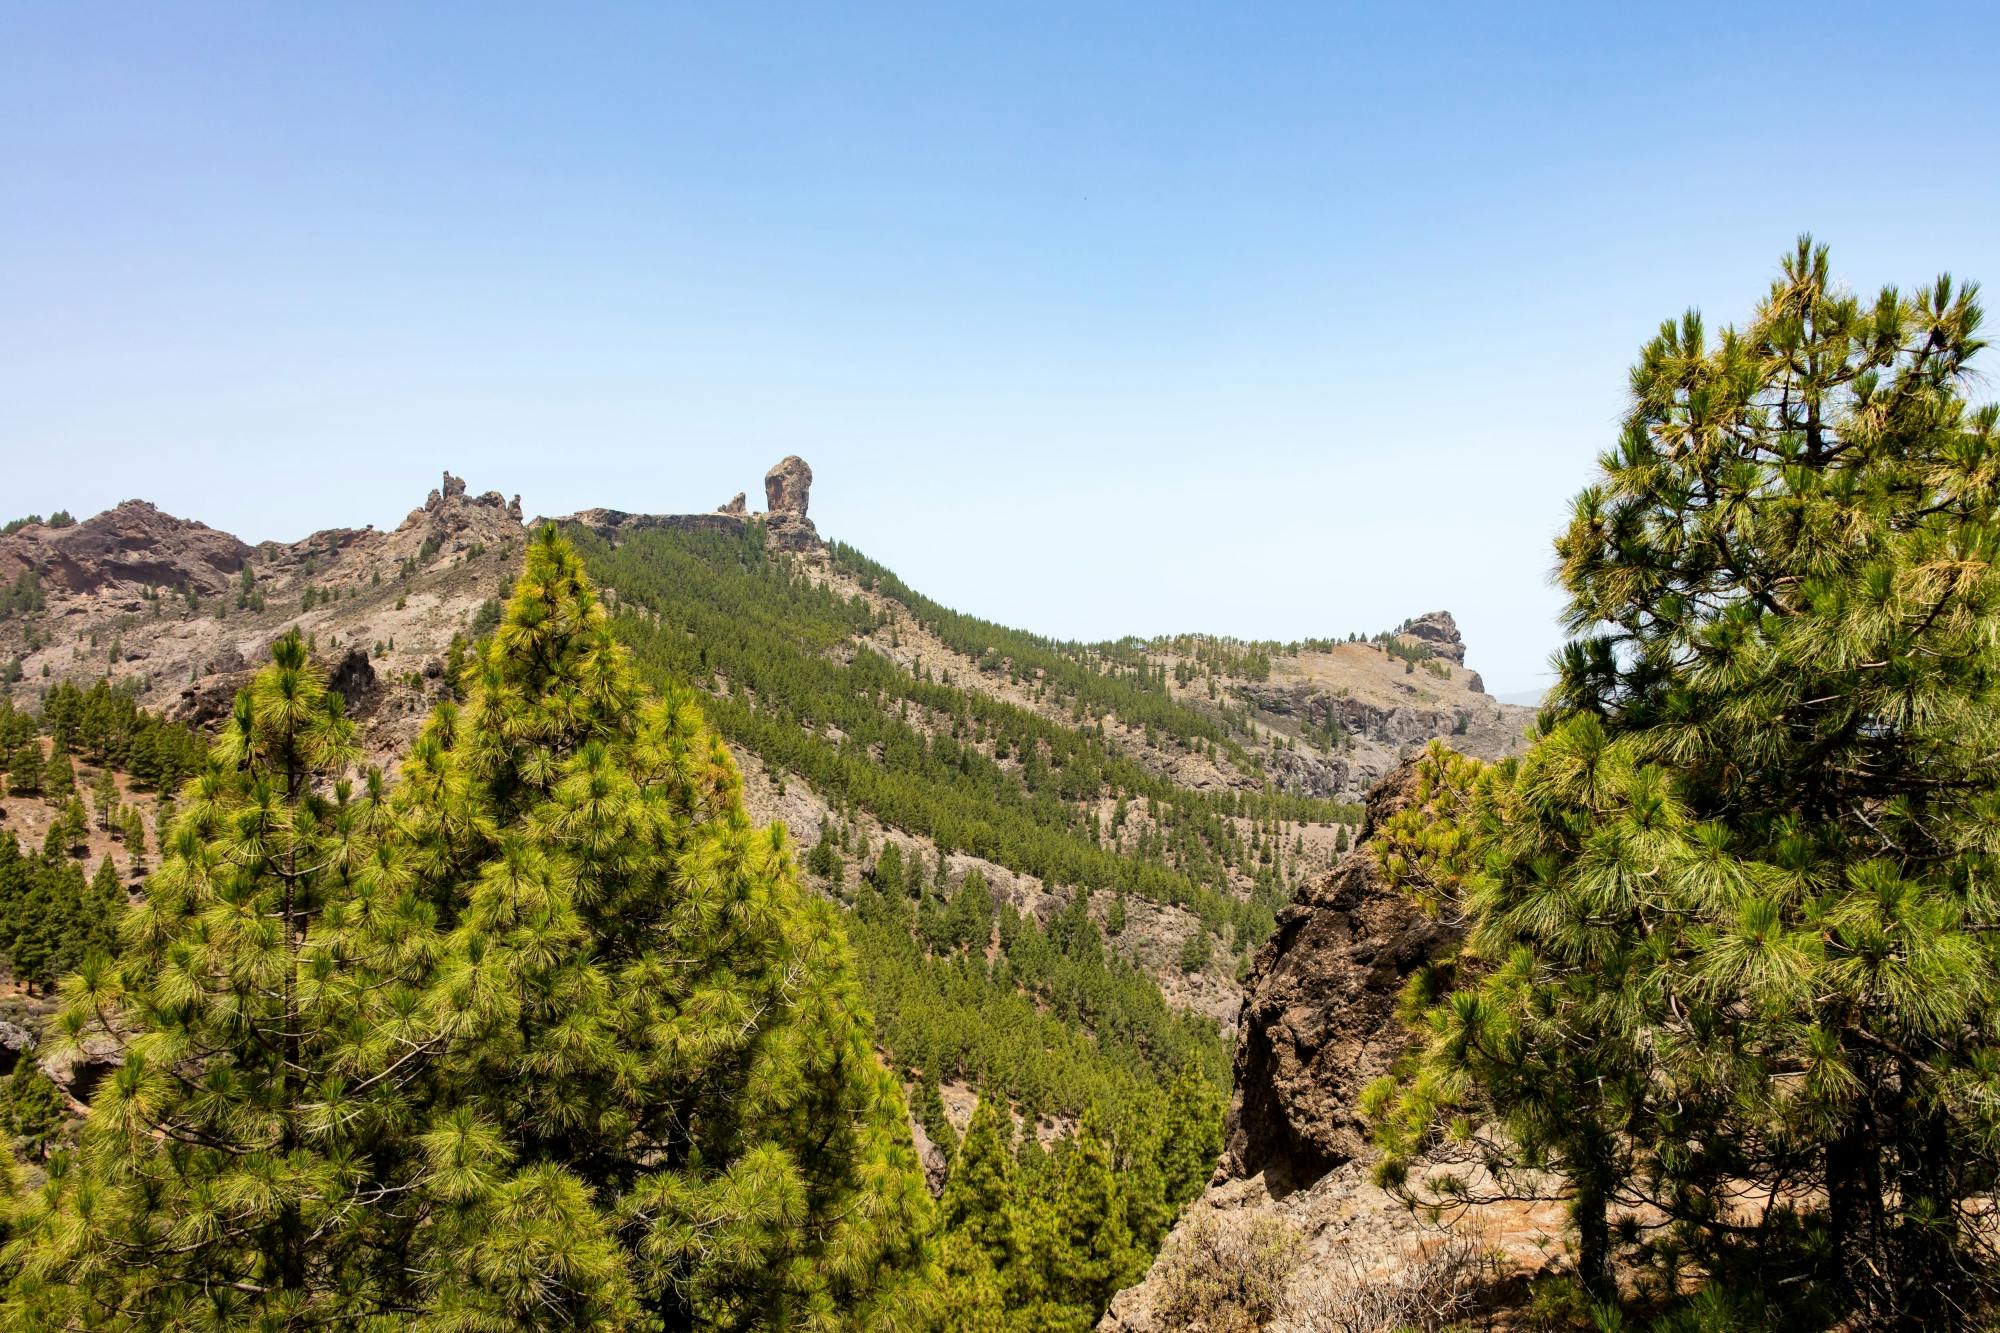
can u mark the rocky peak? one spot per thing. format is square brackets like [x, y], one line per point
[787, 489]
[739, 504]
[788, 486]
[448, 511]
[1437, 631]
[134, 544]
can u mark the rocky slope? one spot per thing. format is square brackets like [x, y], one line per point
[1318, 1024]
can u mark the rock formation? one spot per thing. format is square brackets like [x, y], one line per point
[125, 549]
[1319, 1014]
[1437, 631]
[787, 489]
[1318, 1025]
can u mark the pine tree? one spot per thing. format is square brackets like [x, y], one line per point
[1097, 1255]
[135, 841]
[24, 767]
[650, 1011]
[1731, 954]
[58, 776]
[104, 798]
[71, 828]
[977, 1212]
[234, 1170]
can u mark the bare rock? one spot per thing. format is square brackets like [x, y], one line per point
[79, 1068]
[1318, 1024]
[788, 487]
[514, 509]
[15, 1042]
[1319, 1015]
[739, 505]
[210, 699]
[1437, 631]
[134, 545]
[353, 679]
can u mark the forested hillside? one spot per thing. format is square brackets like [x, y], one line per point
[1053, 860]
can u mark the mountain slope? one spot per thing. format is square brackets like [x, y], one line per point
[1058, 857]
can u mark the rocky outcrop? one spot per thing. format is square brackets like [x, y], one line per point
[787, 490]
[353, 679]
[1319, 1013]
[1437, 631]
[456, 522]
[788, 486]
[1318, 1024]
[128, 548]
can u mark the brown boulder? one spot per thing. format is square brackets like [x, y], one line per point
[787, 490]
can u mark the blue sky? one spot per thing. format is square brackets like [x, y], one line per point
[1259, 319]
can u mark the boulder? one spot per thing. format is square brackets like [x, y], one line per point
[353, 679]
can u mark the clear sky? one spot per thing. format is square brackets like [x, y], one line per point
[1259, 319]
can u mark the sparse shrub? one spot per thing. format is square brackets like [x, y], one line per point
[1226, 1272]
[1437, 1287]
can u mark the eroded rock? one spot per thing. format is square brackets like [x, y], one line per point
[1319, 1013]
[1437, 631]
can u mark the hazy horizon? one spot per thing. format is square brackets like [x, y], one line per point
[1275, 323]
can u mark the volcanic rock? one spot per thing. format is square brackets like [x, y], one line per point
[134, 545]
[1319, 1016]
[1437, 631]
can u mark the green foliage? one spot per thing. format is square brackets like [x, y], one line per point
[106, 725]
[1731, 956]
[699, 606]
[58, 777]
[23, 596]
[1038, 1241]
[549, 1037]
[266, 986]
[51, 919]
[32, 1110]
[654, 1009]
[1104, 679]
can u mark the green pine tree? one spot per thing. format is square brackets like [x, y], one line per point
[1731, 963]
[650, 1011]
[104, 798]
[238, 1168]
[58, 776]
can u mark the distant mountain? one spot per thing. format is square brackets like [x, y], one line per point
[1524, 698]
